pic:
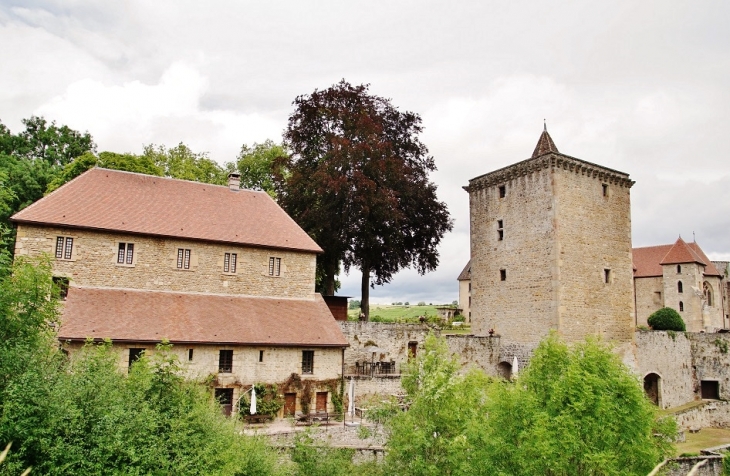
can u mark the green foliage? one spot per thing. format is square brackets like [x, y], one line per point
[666, 319]
[257, 163]
[312, 458]
[721, 345]
[574, 410]
[268, 401]
[354, 304]
[181, 162]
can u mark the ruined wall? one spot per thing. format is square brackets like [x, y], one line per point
[669, 355]
[593, 228]
[475, 351]
[712, 359]
[94, 263]
[392, 338]
[522, 307]
[649, 298]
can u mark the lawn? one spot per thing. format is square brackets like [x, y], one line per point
[388, 313]
[705, 438]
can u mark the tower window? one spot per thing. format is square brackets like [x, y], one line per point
[680, 288]
[679, 268]
[503, 275]
[261, 356]
[502, 191]
[681, 306]
[605, 189]
[500, 230]
[606, 275]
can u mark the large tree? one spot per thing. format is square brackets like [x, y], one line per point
[257, 163]
[358, 184]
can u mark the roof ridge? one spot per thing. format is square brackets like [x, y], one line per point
[196, 293]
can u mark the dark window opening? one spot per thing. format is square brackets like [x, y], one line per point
[679, 268]
[680, 288]
[135, 354]
[61, 284]
[707, 291]
[225, 361]
[224, 396]
[190, 354]
[412, 349]
[681, 306]
[605, 190]
[125, 254]
[710, 389]
[307, 361]
[183, 258]
[500, 230]
[261, 356]
[606, 275]
[229, 262]
[503, 275]
[502, 191]
[274, 266]
[64, 247]
[651, 388]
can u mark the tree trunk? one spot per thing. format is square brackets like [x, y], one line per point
[365, 290]
[329, 280]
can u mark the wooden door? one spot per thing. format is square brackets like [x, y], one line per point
[412, 349]
[290, 404]
[225, 398]
[321, 402]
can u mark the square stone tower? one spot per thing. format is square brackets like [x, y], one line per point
[551, 249]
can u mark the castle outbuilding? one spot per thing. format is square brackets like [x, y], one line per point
[551, 249]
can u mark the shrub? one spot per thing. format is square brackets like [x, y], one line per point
[666, 319]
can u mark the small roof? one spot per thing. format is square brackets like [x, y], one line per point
[125, 202]
[544, 145]
[465, 273]
[150, 316]
[648, 260]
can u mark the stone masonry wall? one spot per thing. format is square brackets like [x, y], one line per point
[277, 365]
[593, 227]
[649, 298]
[669, 355]
[522, 308]
[465, 299]
[94, 263]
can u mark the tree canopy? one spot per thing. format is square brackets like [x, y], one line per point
[666, 319]
[573, 410]
[358, 184]
[257, 163]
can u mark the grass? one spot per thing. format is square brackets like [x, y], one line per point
[388, 313]
[705, 438]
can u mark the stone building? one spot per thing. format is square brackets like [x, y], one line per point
[551, 249]
[682, 277]
[224, 274]
[465, 291]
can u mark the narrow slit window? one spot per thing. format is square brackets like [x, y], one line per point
[502, 191]
[500, 230]
[190, 355]
[503, 275]
[261, 356]
[679, 268]
[680, 287]
[606, 275]
[681, 306]
[605, 189]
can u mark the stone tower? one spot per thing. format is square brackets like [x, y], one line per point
[551, 249]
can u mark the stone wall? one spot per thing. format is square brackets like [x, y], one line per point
[649, 298]
[522, 307]
[711, 359]
[276, 365]
[393, 339]
[94, 263]
[465, 299]
[669, 355]
[683, 466]
[593, 228]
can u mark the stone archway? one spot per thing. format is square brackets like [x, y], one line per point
[652, 388]
[504, 370]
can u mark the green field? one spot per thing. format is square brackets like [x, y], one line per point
[389, 313]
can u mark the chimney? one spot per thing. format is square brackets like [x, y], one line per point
[234, 181]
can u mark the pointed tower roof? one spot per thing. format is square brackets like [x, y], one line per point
[681, 252]
[545, 144]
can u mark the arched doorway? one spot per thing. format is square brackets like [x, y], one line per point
[652, 388]
[504, 370]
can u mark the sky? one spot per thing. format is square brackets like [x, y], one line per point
[641, 87]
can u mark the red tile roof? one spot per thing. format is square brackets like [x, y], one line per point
[150, 316]
[544, 145]
[103, 199]
[648, 261]
[465, 273]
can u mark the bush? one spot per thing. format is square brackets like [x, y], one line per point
[666, 319]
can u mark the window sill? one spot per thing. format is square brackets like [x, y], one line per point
[228, 274]
[124, 265]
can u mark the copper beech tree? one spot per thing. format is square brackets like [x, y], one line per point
[358, 183]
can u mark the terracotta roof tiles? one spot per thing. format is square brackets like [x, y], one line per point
[103, 199]
[150, 316]
[648, 260]
[544, 145]
[465, 273]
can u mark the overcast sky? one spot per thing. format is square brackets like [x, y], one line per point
[642, 87]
